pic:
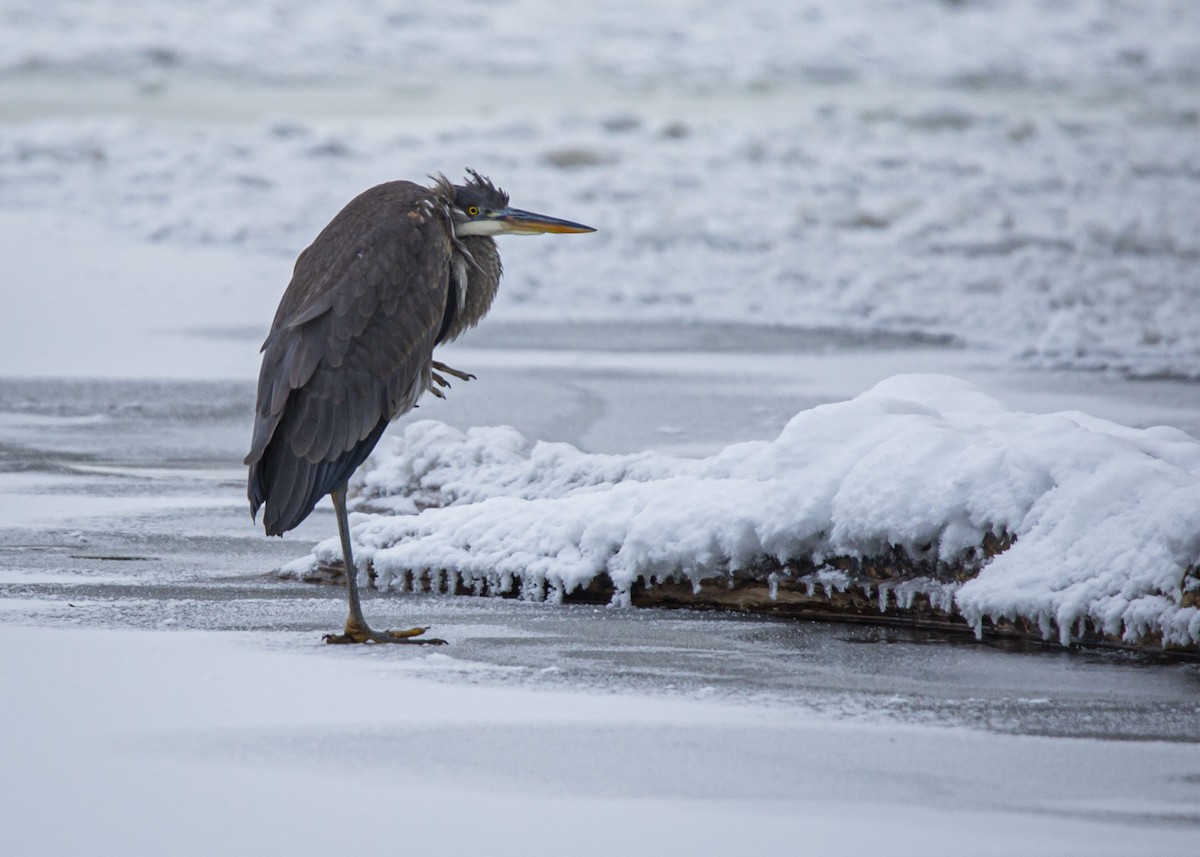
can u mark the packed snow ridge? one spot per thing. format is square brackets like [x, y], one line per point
[1103, 517]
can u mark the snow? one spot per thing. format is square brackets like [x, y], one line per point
[698, 40]
[1070, 247]
[1104, 516]
[1018, 177]
[100, 303]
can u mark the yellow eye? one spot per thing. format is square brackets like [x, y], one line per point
[473, 210]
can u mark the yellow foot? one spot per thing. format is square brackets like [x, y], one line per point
[365, 634]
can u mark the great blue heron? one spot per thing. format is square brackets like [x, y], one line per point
[399, 270]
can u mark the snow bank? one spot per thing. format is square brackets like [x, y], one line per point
[1106, 519]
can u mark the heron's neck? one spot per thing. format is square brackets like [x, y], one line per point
[474, 283]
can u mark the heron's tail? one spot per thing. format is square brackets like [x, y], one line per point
[289, 485]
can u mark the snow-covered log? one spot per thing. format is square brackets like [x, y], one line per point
[922, 500]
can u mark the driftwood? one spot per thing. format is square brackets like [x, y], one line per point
[894, 589]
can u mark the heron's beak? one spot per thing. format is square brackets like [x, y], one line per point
[513, 221]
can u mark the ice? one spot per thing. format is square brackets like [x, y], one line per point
[1102, 516]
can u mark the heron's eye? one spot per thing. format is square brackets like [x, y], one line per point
[473, 210]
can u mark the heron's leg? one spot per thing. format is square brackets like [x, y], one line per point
[357, 630]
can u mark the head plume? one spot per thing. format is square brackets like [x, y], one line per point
[483, 186]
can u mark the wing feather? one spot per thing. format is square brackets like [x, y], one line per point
[350, 347]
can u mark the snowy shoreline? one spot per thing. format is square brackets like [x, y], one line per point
[1056, 242]
[1020, 179]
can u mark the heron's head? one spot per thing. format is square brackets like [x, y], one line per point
[481, 208]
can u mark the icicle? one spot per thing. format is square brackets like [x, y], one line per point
[974, 617]
[773, 585]
[1136, 629]
[1044, 625]
[883, 599]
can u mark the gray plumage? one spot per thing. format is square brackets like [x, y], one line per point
[351, 345]
[399, 270]
[352, 342]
